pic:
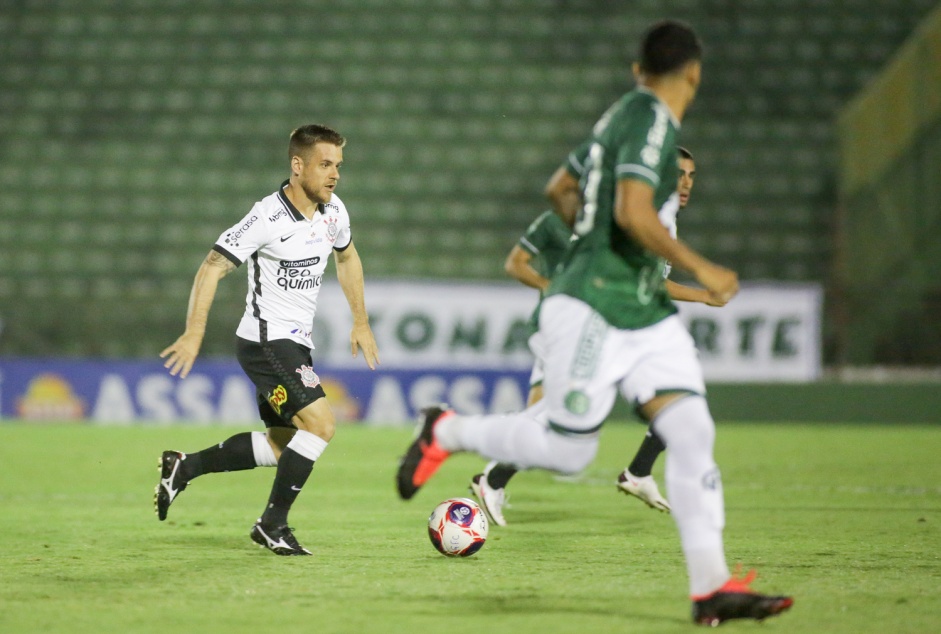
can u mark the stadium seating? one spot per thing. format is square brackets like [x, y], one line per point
[133, 133]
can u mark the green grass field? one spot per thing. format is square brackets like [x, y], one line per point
[845, 518]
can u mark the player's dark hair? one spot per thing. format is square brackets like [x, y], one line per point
[684, 153]
[668, 46]
[306, 137]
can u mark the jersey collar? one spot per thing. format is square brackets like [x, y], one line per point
[298, 216]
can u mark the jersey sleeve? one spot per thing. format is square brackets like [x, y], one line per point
[245, 237]
[538, 236]
[640, 146]
[345, 236]
[575, 161]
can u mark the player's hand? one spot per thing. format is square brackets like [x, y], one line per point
[181, 354]
[361, 338]
[722, 283]
[712, 300]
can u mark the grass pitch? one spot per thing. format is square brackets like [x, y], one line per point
[847, 519]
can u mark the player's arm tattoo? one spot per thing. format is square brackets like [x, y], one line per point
[218, 260]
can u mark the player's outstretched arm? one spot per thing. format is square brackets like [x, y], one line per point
[181, 354]
[519, 266]
[683, 293]
[350, 275]
[635, 214]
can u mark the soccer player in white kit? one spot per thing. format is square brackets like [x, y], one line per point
[608, 325]
[285, 240]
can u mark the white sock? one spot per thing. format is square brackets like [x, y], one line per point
[264, 454]
[522, 439]
[449, 431]
[307, 444]
[695, 490]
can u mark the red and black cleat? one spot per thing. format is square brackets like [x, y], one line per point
[735, 600]
[424, 455]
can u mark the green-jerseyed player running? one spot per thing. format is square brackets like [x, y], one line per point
[608, 326]
[533, 261]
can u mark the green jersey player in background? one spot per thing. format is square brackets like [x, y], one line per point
[532, 261]
[609, 326]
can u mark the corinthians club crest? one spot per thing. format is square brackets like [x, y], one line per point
[332, 230]
[308, 377]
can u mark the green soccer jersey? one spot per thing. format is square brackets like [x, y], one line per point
[546, 239]
[606, 268]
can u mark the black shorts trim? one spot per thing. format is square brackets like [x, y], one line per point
[568, 431]
[284, 378]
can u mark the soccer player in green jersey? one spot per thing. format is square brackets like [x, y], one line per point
[532, 261]
[609, 326]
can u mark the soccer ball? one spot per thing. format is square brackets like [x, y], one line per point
[457, 527]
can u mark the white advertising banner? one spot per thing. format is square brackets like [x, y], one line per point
[769, 332]
[418, 324]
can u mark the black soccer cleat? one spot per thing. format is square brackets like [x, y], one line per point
[735, 600]
[423, 456]
[171, 482]
[278, 539]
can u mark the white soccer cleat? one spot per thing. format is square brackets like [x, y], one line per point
[644, 489]
[491, 500]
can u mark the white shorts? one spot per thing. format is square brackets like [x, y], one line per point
[538, 349]
[586, 361]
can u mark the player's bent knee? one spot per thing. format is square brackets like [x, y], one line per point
[685, 421]
[572, 455]
[318, 419]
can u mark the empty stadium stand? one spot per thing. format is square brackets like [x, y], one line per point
[132, 133]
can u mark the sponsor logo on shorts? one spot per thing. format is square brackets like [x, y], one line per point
[308, 377]
[577, 402]
[277, 398]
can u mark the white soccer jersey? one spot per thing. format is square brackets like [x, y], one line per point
[667, 215]
[287, 255]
